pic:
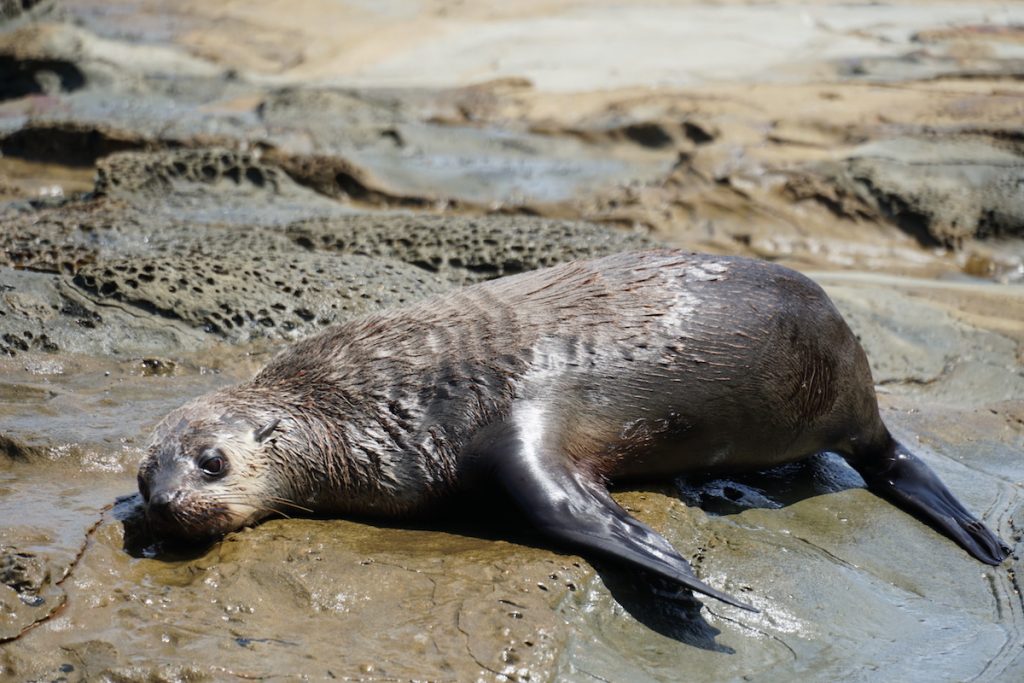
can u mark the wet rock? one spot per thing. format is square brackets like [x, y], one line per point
[26, 591]
[21, 77]
[40, 312]
[26, 66]
[15, 450]
[22, 571]
[952, 53]
[381, 149]
[160, 367]
[270, 601]
[939, 340]
[12, 343]
[60, 239]
[652, 134]
[26, 304]
[242, 296]
[998, 260]
[212, 241]
[64, 238]
[465, 249]
[248, 282]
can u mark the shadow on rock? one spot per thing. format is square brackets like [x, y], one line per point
[774, 488]
[489, 515]
[657, 603]
[660, 605]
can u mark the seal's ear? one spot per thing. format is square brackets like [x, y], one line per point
[266, 430]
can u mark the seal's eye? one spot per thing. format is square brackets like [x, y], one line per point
[213, 464]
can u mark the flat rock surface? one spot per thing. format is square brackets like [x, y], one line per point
[185, 187]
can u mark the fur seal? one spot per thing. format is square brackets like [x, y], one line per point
[549, 384]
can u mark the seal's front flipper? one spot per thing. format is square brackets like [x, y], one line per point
[566, 503]
[903, 479]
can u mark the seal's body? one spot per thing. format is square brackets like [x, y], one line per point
[549, 383]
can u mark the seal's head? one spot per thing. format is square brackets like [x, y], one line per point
[207, 470]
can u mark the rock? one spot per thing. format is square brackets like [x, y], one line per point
[209, 185]
[157, 174]
[15, 450]
[243, 295]
[22, 571]
[40, 312]
[941, 190]
[232, 195]
[465, 249]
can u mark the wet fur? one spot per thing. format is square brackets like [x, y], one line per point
[632, 376]
[630, 366]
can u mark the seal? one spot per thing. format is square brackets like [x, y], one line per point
[549, 384]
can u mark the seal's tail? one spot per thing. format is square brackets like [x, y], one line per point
[899, 476]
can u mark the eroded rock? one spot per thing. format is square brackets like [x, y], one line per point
[41, 312]
[250, 295]
[158, 173]
[465, 249]
[22, 571]
[941, 190]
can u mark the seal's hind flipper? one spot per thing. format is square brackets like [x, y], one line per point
[566, 503]
[906, 481]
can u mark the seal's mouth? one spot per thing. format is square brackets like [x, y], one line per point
[181, 518]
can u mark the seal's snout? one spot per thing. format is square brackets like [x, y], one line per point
[160, 503]
[161, 509]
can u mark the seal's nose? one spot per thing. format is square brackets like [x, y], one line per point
[165, 514]
[160, 503]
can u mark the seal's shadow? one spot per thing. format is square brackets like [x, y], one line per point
[655, 602]
[659, 605]
[773, 488]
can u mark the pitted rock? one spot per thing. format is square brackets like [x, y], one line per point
[243, 296]
[142, 173]
[465, 249]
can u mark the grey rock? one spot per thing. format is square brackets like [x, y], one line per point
[40, 312]
[22, 571]
[159, 173]
[243, 295]
[209, 185]
[465, 249]
[940, 190]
